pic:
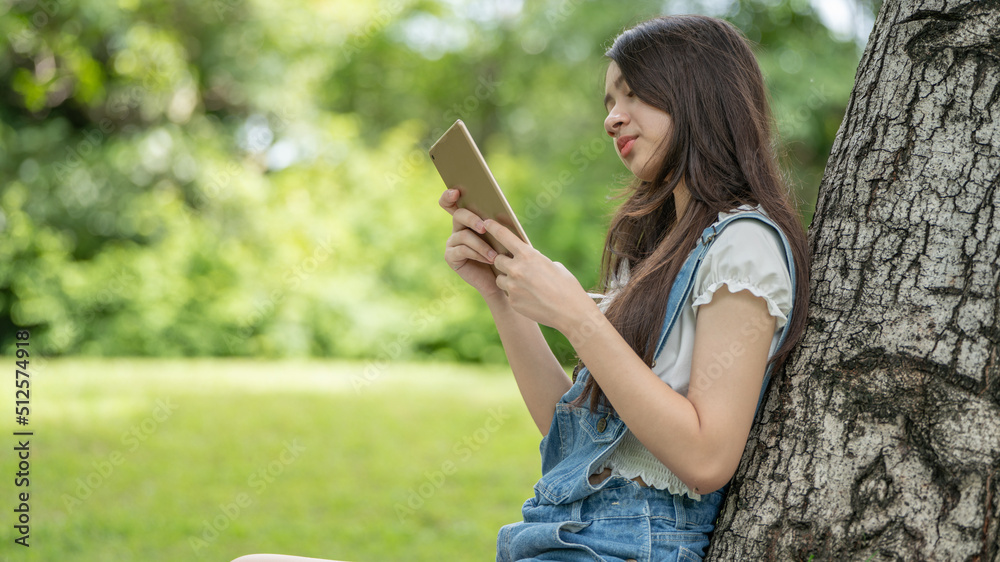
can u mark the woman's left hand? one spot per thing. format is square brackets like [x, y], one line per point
[537, 287]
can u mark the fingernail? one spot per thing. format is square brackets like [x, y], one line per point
[491, 254]
[481, 226]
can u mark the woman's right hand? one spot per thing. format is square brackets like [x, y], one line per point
[466, 253]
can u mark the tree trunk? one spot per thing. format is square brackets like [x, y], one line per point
[881, 441]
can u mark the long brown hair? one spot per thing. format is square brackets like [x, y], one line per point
[701, 72]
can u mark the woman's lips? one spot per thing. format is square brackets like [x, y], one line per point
[625, 145]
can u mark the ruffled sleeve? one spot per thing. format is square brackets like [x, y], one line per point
[747, 255]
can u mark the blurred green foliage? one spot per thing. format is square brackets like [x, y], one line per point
[241, 177]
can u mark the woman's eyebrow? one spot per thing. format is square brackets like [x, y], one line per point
[617, 85]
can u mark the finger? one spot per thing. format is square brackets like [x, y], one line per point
[502, 282]
[505, 236]
[464, 218]
[456, 256]
[466, 237]
[449, 199]
[501, 262]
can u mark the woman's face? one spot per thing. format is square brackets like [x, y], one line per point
[638, 128]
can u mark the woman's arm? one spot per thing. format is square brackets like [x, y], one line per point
[701, 437]
[539, 376]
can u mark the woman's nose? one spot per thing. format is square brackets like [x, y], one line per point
[614, 121]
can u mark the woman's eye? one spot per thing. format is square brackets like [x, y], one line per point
[628, 94]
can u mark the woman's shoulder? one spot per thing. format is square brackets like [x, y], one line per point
[747, 254]
[753, 236]
[745, 246]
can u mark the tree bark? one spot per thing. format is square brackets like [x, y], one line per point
[881, 441]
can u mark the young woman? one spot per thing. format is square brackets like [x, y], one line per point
[703, 265]
[639, 448]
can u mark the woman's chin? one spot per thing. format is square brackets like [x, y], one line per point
[644, 175]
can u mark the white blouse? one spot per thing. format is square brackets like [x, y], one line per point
[747, 255]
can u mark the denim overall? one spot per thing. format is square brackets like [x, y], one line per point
[569, 519]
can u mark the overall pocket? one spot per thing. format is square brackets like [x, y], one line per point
[577, 440]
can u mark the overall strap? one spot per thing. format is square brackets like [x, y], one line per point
[684, 283]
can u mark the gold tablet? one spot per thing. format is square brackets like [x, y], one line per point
[462, 166]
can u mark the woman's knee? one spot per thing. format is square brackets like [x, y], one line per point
[278, 558]
[270, 558]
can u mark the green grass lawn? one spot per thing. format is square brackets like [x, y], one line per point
[210, 459]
